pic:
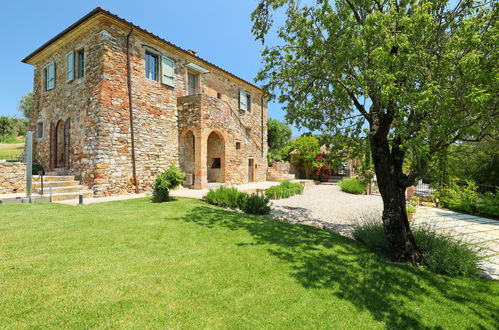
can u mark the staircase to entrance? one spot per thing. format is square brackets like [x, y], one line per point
[63, 187]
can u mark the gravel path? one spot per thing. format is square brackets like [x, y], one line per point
[326, 206]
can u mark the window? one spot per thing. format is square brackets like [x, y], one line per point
[248, 101]
[151, 66]
[49, 76]
[80, 58]
[216, 163]
[238, 145]
[39, 130]
[244, 100]
[219, 96]
[192, 83]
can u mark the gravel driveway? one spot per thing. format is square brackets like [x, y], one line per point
[326, 206]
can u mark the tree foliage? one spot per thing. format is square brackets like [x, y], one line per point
[420, 75]
[25, 104]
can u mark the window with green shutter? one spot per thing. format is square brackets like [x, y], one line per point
[167, 71]
[70, 66]
[243, 100]
[49, 73]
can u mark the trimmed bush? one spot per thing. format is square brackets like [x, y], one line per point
[169, 179]
[234, 199]
[284, 190]
[225, 197]
[254, 204]
[352, 186]
[441, 253]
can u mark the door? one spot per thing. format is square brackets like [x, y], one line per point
[251, 166]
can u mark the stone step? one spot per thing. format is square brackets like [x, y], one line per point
[66, 189]
[50, 178]
[38, 184]
[71, 195]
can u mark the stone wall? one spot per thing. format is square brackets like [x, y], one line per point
[12, 177]
[97, 106]
[77, 100]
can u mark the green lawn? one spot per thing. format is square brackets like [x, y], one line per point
[12, 148]
[186, 264]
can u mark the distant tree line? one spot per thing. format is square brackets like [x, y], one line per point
[10, 128]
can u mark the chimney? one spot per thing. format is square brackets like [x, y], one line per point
[192, 51]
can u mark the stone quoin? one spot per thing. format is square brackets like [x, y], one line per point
[185, 110]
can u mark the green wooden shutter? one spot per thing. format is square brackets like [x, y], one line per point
[243, 104]
[51, 75]
[167, 71]
[70, 66]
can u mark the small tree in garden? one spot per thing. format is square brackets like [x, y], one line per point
[304, 151]
[419, 74]
[278, 137]
[166, 181]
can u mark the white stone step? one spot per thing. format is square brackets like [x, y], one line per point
[38, 184]
[51, 178]
[55, 190]
[71, 195]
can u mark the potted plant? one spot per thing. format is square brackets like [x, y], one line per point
[410, 212]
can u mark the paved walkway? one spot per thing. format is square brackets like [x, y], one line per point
[481, 233]
[327, 207]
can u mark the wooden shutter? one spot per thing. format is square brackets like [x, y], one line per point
[50, 75]
[70, 66]
[243, 105]
[167, 71]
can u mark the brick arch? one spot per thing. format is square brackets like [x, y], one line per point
[216, 156]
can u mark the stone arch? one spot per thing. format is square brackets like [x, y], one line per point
[215, 156]
[187, 157]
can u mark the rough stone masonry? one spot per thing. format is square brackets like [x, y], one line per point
[205, 119]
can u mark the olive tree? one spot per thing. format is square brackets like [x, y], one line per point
[419, 75]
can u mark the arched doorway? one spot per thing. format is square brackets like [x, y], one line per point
[186, 156]
[215, 160]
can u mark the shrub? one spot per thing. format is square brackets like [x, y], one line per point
[352, 186]
[441, 253]
[284, 190]
[254, 204]
[225, 197]
[411, 209]
[467, 199]
[169, 179]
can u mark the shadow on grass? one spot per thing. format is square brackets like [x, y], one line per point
[323, 260]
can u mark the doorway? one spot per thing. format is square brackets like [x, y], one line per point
[251, 167]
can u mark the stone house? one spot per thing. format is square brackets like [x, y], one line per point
[117, 104]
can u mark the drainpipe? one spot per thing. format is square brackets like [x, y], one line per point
[263, 142]
[130, 106]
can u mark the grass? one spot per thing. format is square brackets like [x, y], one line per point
[187, 264]
[12, 147]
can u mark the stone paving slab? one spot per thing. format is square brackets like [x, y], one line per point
[482, 233]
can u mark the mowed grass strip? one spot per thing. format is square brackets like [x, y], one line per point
[137, 264]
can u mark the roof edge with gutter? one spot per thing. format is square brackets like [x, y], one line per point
[100, 10]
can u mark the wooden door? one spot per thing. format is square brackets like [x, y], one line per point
[66, 143]
[251, 166]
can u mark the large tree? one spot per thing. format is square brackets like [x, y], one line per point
[419, 75]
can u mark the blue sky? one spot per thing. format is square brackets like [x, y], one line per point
[219, 30]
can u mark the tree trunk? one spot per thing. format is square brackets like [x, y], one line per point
[388, 166]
